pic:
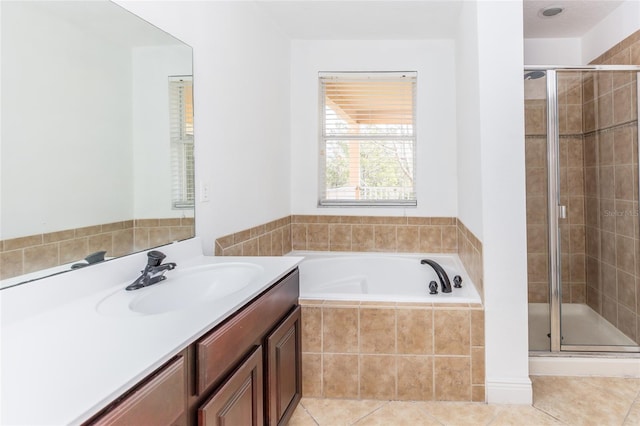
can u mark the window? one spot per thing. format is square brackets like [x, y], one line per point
[181, 128]
[368, 139]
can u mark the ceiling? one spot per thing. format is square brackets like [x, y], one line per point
[419, 19]
[365, 19]
[578, 17]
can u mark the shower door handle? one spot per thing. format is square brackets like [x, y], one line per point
[562, 212]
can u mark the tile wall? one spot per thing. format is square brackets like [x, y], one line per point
[572, 229]
[36, 252]
[611, 185]
[381, 350]
[358, 234]
[599, 184]
[389, 351]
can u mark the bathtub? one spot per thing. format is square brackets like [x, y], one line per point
[380, 277]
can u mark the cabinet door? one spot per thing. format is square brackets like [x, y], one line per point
[284, 369]
[160, 401]
[239, 400]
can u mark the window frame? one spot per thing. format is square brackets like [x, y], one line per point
[323, 137]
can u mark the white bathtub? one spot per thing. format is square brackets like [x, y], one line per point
[380, 277]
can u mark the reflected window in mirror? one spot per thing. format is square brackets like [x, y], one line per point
[181, 119]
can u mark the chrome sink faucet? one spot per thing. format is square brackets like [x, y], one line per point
[154, 271]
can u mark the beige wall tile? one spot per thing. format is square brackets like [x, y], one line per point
[415, 378]
[449, 239]
[452, 378]
[276, 243]
[625, 254]
[377, 331]
[340, 376]
[311, 329]
[385, 238]
[477, 328]
[430, 239]
[415, 331]
[53, 237]
[264, 245]
[362, 237]
[104, 242]
[311, 375]
[11, 264]
[408, 239]
[19, 243]
[477, 393]
[452, 334]
[74, 250]
[340, 329]
[40, 257]
[318, 236]
[339, 235]
[298, 236]
[250, 247]
[123, 242]
[477, 366]
[378, 376]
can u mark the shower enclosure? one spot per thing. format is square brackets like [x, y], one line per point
[583, 243]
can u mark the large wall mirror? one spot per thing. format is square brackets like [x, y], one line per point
[96, 143]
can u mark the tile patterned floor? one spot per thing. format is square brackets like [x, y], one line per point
[576, 401]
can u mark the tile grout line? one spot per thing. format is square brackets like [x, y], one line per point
[635, 400]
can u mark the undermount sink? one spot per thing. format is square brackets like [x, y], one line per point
[182, 289]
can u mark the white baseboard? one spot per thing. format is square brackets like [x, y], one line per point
[509, 391]
[582, 366]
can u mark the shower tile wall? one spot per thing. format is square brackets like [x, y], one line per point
[572, 229]
[611, 179]
[599, 184]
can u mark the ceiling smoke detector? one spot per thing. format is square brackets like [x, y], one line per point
[550, 11]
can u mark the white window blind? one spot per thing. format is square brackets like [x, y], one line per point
[181, 128]
[368, 138]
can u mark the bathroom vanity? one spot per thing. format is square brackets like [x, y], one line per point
[232, 360]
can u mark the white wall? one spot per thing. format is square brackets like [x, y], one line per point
[436, 102]
[500, 64]
[491, 189]
[241, 109]
[469, 188]
[51, 135]
[152, 180]
[553, 51]
[618, 25]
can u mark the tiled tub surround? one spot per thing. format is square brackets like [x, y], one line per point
[393, 351]
[381, 350]
[359, 234]
[24, 255]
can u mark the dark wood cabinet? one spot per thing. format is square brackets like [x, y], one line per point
[239, 400]
[245, 371]
[284, 369]
[160, 400]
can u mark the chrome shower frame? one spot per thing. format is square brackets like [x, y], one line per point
[556, 211]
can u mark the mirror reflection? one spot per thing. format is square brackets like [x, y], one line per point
[96, 147]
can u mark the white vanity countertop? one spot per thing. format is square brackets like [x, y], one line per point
[63, 361]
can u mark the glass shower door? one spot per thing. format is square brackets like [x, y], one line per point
[598, 241]
[535, 87]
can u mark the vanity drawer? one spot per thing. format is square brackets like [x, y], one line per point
[159, 401]
[221, 349]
